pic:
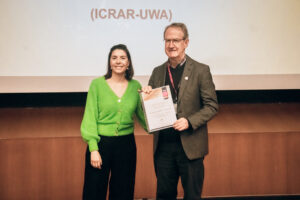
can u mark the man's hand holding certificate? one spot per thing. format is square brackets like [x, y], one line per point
[159, 108]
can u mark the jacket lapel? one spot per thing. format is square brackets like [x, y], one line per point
[185, 77]
[162, 75]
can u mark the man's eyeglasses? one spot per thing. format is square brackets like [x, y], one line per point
[174, 41]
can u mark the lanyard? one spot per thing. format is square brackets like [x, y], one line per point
[171, 77]
[172, 82]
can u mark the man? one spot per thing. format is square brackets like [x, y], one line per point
[179, 151]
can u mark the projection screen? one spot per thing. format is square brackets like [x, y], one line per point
[60, 46]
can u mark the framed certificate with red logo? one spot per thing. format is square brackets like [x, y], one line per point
[158, 108]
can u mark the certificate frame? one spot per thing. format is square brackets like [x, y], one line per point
[158, 109]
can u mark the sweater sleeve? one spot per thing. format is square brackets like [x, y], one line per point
[139, 112]
[88, 127]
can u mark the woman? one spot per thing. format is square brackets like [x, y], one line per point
[107, 127]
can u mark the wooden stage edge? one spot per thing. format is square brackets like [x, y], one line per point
[254, 151]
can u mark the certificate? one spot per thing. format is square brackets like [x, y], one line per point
[158, 108]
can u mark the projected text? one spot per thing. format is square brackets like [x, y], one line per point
[129, 14]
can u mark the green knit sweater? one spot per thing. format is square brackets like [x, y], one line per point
[108, 115]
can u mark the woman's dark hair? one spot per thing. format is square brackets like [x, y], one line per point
[129, 72]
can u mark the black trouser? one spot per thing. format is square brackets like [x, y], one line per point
[119, 161]
[170, 163]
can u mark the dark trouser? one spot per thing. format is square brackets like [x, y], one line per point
[170, 163]
[119, 161]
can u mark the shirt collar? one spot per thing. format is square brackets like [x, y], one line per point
[180, 64]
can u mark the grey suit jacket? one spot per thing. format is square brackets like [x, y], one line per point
[197, 102]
